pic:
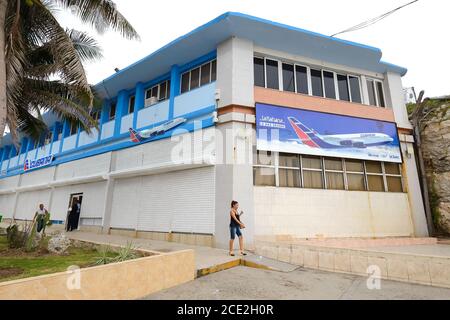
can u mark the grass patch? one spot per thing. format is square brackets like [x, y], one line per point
[16, 264]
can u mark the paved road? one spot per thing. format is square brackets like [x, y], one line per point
[249, 283]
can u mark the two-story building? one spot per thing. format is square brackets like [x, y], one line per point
[308, 132]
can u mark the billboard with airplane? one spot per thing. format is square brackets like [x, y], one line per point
[300, 131]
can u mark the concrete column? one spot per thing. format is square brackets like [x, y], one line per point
[139, 102]
[174, 88]
[235, 72]
[411, 178]
[109, 192]
[121, 110]
[394, 96]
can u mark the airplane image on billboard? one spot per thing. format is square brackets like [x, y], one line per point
[299, 131]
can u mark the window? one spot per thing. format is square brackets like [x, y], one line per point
[48, 137]
[297, 171]
[160, 92]
[205, 77]
[334, 174]
[380, 94]
[185, 82]
[355, 175]
[197, 77]
[289, 170]
[258, 72]
[213, 70]
[301, 74]
[288, 77]
[343, 87]
[131, 102]
[393, 177]
[355, 89]
[328, 83]
[272, 78]
[375, 179]
[312, 172]
[73, 129]
[316, 83]
[376, 93]
[264, 169]
[112, 111]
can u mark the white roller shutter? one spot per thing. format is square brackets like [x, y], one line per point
[7, 205]
[181, 201]
[28, 202]
[125, 203]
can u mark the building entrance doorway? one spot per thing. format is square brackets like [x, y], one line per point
[73, 212]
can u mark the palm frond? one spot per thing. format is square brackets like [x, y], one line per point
[102, 15]
[86, 46]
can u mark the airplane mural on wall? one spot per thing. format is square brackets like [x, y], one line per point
[140, 136]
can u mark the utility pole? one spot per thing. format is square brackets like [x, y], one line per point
[416, 119]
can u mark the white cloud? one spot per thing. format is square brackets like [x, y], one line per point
[415, 37]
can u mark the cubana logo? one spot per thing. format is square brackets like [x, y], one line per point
[39, 163]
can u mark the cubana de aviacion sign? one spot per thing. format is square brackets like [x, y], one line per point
[282, 129]
[38, 163]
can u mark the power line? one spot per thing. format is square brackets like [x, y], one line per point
[374, 20]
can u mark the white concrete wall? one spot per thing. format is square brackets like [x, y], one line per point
[153, 114]
[235, 72]
[308, 213]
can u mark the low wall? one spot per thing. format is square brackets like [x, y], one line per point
[309, 213]
[425, 270]
[131, 279]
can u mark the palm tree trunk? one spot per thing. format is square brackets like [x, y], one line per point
[3, 6]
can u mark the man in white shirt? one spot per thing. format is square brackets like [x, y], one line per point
[40, 217]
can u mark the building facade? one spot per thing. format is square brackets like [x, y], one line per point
[177, 184]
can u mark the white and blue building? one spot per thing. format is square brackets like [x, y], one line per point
[215, 77]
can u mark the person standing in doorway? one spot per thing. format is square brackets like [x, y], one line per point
[235, 228]
[74, 215]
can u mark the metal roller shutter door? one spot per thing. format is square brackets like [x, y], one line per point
[7, 205]
[28, 202]
[181, 201]
[125, 203]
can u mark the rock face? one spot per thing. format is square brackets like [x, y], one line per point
[436, 152]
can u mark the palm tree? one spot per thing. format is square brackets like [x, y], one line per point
[41, 62]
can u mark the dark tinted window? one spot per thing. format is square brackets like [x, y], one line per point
[206, 74]
[131, 104]
[288, 77]
[185, 82]
[112, 111]
[371, 91]
[258, 71]
[195, 78]
[355, 89]
[380, 93]
[343, 87]
[302, 79]
[272, 74]
[213, 70]
[162, 91]
[328, 80]
[316, 83]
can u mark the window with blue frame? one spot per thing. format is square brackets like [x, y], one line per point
[199, 76]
